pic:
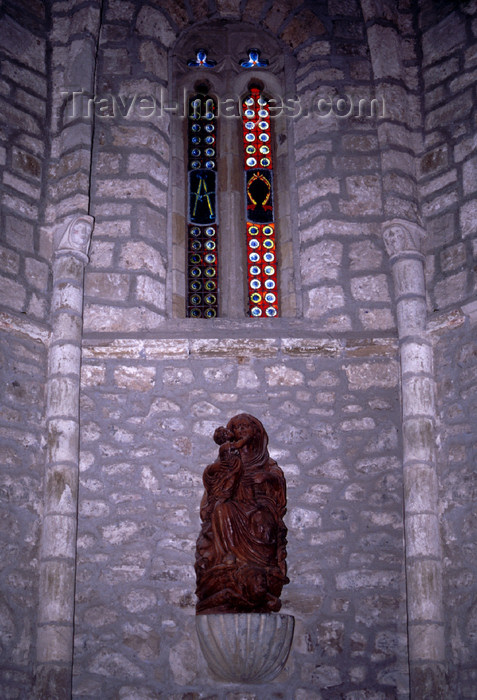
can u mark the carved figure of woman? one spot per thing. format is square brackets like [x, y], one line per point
[241, 550]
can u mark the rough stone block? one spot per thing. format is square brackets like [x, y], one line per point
[12, 294]
[441, 40]
[370, 288]
[368, 374]
[137, 255]
[451, 290]
[107, 285]
[9, 261]
[99, 317]
[135, 378]
[453, 257]
[19, 233]
[324, 299]
[151, 22]
[151, 292]
[364, 196]
[321, 261]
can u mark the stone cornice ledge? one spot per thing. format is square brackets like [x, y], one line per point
[182, 348]
[24, 327]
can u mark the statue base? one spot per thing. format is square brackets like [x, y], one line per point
[245, 647]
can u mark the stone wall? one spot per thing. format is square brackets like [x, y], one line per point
[24, 306]
[22, 377]
[456, 368]
[24, 270]
[448, 167]
[149, 409]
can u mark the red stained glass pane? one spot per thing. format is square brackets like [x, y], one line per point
[262, 268]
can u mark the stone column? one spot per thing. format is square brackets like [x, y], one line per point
[58, 540]
[422, 539]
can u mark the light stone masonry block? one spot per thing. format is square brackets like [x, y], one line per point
[136, 349]
[418, 440]
[372, 374]
[362, 578]
[67, 297]
[302, 347]
[61, 490]
[62, 397]
[151, 292]
[420, 488]
[66, 327]
[411, 317]
[137, 255]
[424, 585]
[68, 268]
[452, 289]
[324, 299]
[59, 536]
[416, 357]
[107, 285]
[468, 218]
[55, 592]
[65, 359]
[62, 440]
[9, 261]
[54, 644]
[115, 319]
[235, 347]
[418, 396]
[370, 288]
[321, 262]
[408, 277]
[280, 375]
[376, 319]
[426, 642]
[453, 257]
[135, 379]
[12, 294]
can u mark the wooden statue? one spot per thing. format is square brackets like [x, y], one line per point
[241, 550]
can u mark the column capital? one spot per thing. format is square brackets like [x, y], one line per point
[74, 237]
[401, 237]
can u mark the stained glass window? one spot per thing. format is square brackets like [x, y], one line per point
[202, 249]
[260, 234]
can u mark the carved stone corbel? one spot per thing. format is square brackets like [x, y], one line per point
[402, 236]
[76, 237]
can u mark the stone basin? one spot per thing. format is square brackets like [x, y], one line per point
[245, 647]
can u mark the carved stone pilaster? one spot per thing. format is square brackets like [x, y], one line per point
[58, 540]
[404, 244]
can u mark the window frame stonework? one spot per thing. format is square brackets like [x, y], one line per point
[229, 83]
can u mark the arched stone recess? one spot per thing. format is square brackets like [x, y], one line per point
[227, 43]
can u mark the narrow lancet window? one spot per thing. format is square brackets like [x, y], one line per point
[260, 219]
[202, 249]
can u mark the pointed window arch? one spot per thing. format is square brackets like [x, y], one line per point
[220, 202]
